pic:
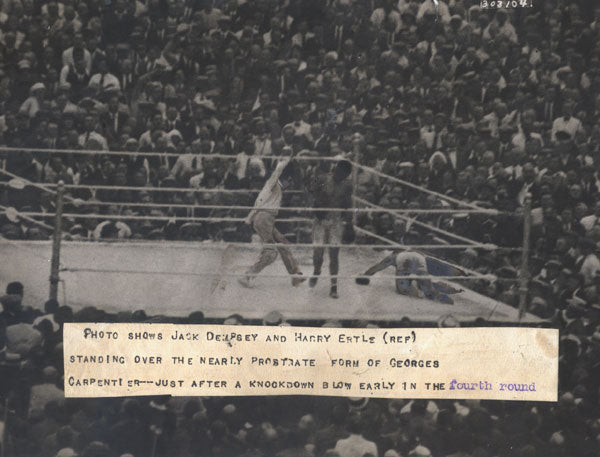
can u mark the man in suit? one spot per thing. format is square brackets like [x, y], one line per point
[526, 183]
[90, 137]
[76, 74]
[469, 62]
[126, 76]
[337, 33]
[104, 81]
[51, 141]
[173, 120]
[113, 121]
[547, 107]
[196, 125]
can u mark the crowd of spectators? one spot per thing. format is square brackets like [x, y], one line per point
[483, 105]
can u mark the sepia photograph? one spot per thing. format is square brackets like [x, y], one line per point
[369, 165]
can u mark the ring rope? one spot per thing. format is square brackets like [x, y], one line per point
[224, 244]
[283, 208]
[28, 216]
[5, 209]
[416, 187]
[135, 154]
[155, 218]
[488, 277]
[417, 222]
[44, 187]
[165, 189]
[180, 218]
[47, 187]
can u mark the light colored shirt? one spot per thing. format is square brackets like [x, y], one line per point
[519, 140]
[571, 126]
[506, 29]
[186, 164]
[379, 16]
[30, 107]
[64, 74]
[590, 267]
[589, 222]
[95, 136]
[243, 161]
[103, 82]
[61, 9]
[67, 58]
[428, 7]
[300, 128]
[262, 146]
[355, 446]
[432, 138]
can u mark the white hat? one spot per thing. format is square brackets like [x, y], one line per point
[182, 28]
[557, 439]
[420, 451]
[207, 104]
[173, 133]
[37, 86]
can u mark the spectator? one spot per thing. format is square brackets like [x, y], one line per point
[103, 81]
[33, 104]
[90, 136]
[356, 445]
[567, 123]
[188, 165]
[76, 73]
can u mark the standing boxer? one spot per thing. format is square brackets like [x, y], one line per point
[331, 189]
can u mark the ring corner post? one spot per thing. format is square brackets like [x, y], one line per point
[524, 276]
[56, 240]
[354, 177]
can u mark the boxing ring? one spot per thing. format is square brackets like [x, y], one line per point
[176, 278]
